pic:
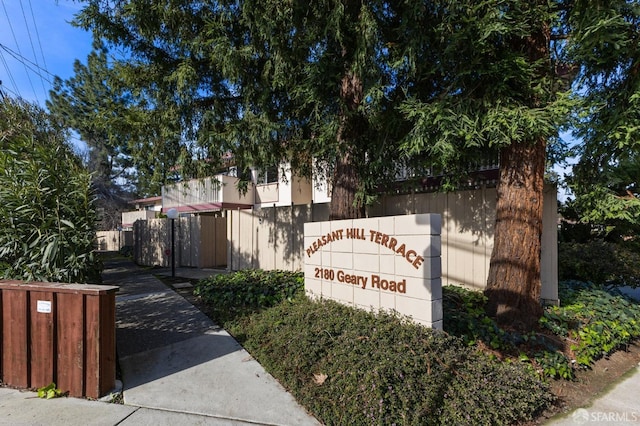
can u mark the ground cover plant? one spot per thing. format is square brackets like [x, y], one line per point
[352, 366]
[232, 295]
[593, 321]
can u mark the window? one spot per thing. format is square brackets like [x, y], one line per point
[268, 176]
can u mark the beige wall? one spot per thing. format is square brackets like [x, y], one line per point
[294, 190]
[217, 189]
[128, 218]
[549, 255]
[267, 193]
[272, 238]
[301, 190]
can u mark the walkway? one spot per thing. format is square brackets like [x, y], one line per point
[174, 358]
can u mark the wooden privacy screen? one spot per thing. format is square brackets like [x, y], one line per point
[62, 333]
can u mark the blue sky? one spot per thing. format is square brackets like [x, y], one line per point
[37, 41]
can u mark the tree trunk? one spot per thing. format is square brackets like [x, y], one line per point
[345, 187]
[513, 287]
[346, 181]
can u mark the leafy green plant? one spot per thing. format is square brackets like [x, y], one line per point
[245, 291]
[598, 319]
[49, 391]
[465, 317]
[47, 216]
[554, 365]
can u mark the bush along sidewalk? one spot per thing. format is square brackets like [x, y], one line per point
[349, 366]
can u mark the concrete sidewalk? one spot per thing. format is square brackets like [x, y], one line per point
[618, 405]
[177, 367]
[174, 358]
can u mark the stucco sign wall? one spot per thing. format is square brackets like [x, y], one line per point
[384, 262]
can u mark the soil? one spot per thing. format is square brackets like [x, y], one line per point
[591, 383]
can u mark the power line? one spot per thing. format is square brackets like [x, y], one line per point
[18, 57]
[15, 39]
[33, 50]
[4, 87]
[33, 18]
[6, 67]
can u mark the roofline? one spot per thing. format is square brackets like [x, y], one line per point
[146, 200]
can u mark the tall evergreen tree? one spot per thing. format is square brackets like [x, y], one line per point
[305, 82]
[132, 146]
[498, 88]
[362, 87]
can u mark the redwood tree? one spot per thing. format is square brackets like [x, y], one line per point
[517, 72]
[513, 286]
[502, 92]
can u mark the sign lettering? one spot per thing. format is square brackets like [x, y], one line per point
[388, 263]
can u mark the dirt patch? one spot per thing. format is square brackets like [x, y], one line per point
[589, 384]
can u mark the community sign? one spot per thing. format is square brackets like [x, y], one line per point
[390, 263]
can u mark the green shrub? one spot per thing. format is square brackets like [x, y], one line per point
[242, 292]
[349, 366]
[493, 393]
[599, 262]
[47, 216]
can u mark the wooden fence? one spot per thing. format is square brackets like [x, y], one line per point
[200, 241]
[272, 238]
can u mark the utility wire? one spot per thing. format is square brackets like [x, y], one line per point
[4, 87]
[37, 70]
[33, 49]
[33, 18]
[15, 39]
[6, 67]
